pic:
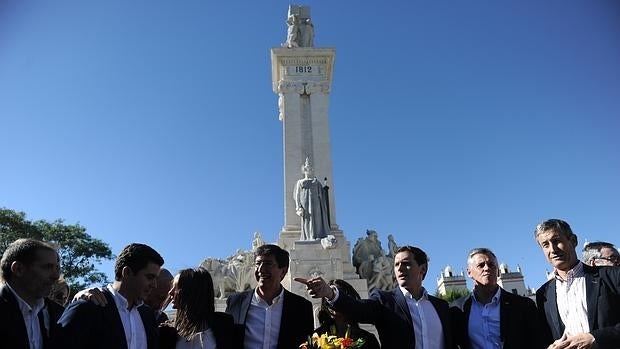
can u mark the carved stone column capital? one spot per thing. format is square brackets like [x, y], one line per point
[313, 87]
[290, 87]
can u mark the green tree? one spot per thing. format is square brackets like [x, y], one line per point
[452, 295]
[78, 250]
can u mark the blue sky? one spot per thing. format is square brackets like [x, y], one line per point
[453, 124]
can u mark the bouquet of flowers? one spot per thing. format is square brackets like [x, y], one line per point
[326, 341]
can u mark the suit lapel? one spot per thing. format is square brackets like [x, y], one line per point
[113, 320]
[551, 310]
[592, 290]
[401, 302]
[19, 326]
[505, 309]
[245, 305]
[284, 319]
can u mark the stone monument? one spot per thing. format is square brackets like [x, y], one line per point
[301, 77]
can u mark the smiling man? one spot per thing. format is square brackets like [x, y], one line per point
[406, 317]
[491, 317]
[270, 317]
[29, 269]
[581, 304]
[122, 322]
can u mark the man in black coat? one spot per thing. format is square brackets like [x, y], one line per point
[124, 322]
[270, 314]
[404, 316]
[509, 320]
[595, 322]
[29, 269]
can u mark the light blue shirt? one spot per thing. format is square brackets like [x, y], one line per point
[484, 323]
[427, 327]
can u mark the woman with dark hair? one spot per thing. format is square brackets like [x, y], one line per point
[197, 325]
[334, 323]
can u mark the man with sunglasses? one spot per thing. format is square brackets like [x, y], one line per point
[600, 253]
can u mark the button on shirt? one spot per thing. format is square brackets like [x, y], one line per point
[31, 320]
[132, 322]
[426, 324]
[484, 323]
[571, 298]
[262, 324]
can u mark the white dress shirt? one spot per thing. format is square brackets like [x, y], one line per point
[426, 323]
[484, 323]
[571, 299]
[31, 319]
[132, 322]
[262, 323]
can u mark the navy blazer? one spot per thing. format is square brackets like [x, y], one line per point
[389, 312]
[86, 325]
[13, 332]
[603, 303]
[296, 324]
[519, 327]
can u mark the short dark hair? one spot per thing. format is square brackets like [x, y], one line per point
[195, 303]
[24, 251]
[136, 257]
[344, 288]
[419, 256]
[592, 250]
[557, 225]
[281, 255]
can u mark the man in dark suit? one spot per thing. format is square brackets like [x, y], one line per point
[406, 317]
[580, 306]
[491, 317]
[29, 269]
[124, 322]
[269, 314]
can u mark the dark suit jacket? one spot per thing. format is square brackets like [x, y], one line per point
[518, 317]
[297, 320]
[389, 312]
[222, 326]
[603, 303]
[86, 325]
[12, 328]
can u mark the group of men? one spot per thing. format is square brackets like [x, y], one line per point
[578, 308]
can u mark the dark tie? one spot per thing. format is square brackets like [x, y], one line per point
[44, 338]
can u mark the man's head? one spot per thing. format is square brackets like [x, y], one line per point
[158, 295]
[558, 242]
[410, 267]
[60, 292]
[601, 253]
[136, 268]
[482, 267]
[270, 266]
[31, 267]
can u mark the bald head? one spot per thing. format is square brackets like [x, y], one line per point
[159, 294]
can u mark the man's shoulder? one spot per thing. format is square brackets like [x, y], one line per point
[295, 298]
[543, 288]
[239, 295]
[515, 298]
[460, 302]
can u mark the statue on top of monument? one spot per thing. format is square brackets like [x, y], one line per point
[311, 205]
[300, 31]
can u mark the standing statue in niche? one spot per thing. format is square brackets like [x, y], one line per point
[311, 205]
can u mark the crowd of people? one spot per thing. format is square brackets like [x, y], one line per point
[578, 308]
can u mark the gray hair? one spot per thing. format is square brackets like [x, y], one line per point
[556, 225]
[480, 250]
[592, 250]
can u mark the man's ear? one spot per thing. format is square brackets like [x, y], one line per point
[126, 272]
[573, 240]
[17, 268]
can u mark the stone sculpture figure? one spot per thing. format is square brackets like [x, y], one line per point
[293, 32]
[364, 248]
[311, 205]
[300, 31]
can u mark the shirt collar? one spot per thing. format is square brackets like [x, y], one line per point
[574, 273]
[121, 302]
[495, 298]
[258, 300]
[39, 304]
[408, 294]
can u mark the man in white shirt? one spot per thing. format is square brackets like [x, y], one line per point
[269, 316]
[406, 317]
[29, 269]
[580, 305]
[122, 322]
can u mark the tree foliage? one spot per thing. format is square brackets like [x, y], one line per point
[78, 250]
[452, 295]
